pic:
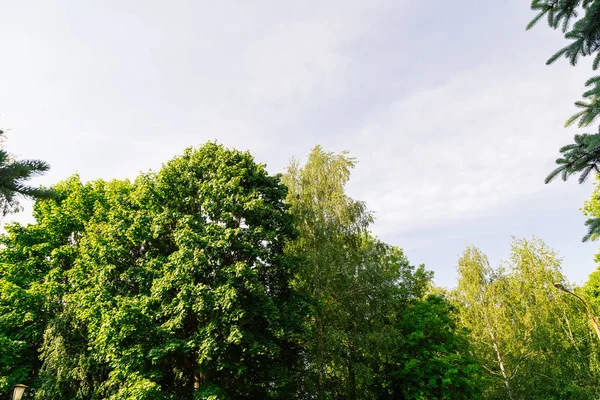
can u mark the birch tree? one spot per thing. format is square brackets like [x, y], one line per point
[531, 339]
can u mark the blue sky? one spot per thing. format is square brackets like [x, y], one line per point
[448, 106]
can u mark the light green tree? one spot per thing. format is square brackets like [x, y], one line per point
[336, 251]
[532, 341]
[366, 295]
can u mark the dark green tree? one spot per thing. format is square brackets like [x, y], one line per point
[579, 20]
[174, 286]
[14, 175]
[425, 354]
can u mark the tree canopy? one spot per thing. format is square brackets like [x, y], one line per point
[531, 340]
[173, 286]
[374, 333]
[210, 279]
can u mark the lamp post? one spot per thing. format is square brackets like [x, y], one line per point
[587, 309]
[18, 391]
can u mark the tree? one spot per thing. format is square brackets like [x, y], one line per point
[195, 282]
[579, 20]
[591, 209]
[363, 292]
[34, 263]
[476, 296]
[531, 341]
[332, 227]
[428, 356]
[175, 286]
[13, 177]
[592, 289]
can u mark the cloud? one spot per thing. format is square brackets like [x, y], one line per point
[138, 84]
[469, 147]
[441, 134]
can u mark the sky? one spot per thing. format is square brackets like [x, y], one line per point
[449, 108]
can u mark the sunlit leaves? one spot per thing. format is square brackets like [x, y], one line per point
[520, 324]
[150, 288]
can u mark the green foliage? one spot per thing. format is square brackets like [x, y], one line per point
[531, 340]
[13, 177]
[591, 209]
[582, 32]
[579, 20]
[582, 157]
[427, 356]
[339, 272]
[592, 289]
[366, 330]
[145, 290]
[33, 262]
[197, 282]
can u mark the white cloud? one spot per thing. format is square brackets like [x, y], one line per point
[452, 115]
[466, 148]
[137, 82]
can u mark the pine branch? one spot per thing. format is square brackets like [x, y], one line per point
[583, 157]
[593, 225]
[13, 175]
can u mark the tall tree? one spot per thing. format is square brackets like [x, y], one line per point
[476, 293]
[34, 264]
[357, 346]
[14, 175]
[425, 354]
[333, 232]
[174, 286]
[532, 341]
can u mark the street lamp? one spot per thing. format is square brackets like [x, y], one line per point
[18, 392]
[564, 289]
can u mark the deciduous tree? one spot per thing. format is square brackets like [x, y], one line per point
[174, 286]
[366, 333]
[532, 340]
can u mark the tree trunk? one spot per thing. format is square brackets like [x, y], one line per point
[501, 364]
[196, 381]
[321, 357]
